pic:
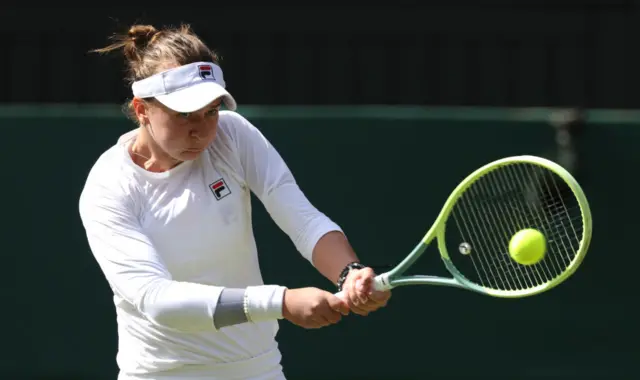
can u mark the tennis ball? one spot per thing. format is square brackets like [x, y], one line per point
[528, 246]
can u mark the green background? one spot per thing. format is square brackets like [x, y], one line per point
[382, 173]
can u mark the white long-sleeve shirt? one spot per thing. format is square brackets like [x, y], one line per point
[168, 243]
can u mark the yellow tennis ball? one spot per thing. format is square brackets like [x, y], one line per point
[528, 246]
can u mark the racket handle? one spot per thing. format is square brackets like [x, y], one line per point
[380, 282]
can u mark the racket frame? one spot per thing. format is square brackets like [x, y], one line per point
[394, 277]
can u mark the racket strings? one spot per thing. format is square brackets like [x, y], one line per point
[501, 203]
[528, 213]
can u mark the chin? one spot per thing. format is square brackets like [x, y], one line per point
[189, 155]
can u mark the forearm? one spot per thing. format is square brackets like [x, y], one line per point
[253, 304]
[331, 255]
[230, 308]
[194, 307]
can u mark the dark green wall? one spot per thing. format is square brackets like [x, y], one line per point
[57, 312]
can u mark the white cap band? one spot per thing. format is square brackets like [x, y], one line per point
[186, 88]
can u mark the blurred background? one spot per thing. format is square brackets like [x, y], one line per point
[415, 96]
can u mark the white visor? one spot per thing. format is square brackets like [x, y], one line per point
[186, 88]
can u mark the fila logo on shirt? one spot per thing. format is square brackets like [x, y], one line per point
[220, 189]
[206, 72]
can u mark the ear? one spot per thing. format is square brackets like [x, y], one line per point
[141, 109]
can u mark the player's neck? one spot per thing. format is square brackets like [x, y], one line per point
[148, 155]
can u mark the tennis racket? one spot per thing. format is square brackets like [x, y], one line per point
[475, 226]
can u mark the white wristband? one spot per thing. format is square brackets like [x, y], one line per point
[263, 303]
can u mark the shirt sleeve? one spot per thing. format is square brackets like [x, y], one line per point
[134, 269]
[273, 183]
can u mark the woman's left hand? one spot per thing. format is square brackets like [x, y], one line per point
[360, 295]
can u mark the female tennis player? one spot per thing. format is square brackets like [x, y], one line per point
[167, 216]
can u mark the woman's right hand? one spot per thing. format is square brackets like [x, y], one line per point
[312, 308]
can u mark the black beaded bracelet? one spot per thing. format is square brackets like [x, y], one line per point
[345, 273]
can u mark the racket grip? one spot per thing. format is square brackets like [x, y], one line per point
[380, 282]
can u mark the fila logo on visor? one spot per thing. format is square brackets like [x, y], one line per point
[206, 72]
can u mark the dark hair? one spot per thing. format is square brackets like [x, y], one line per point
[148, 51]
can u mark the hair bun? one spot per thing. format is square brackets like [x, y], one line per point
[142, 35]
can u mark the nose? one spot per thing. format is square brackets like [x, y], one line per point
[198, 128]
